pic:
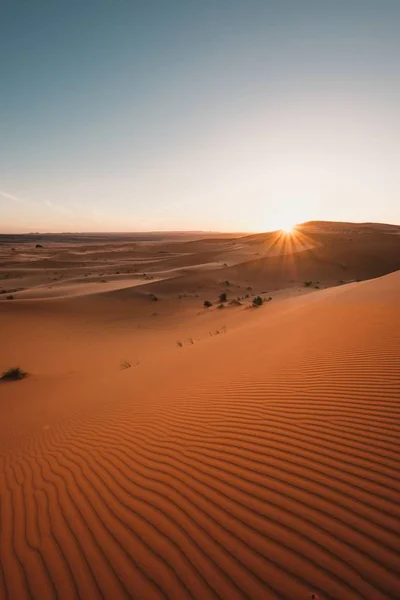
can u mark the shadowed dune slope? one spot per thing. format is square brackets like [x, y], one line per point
[332, 258]
[262, 464]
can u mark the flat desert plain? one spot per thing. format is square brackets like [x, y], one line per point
[159, 449]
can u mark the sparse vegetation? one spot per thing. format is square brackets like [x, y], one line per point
[13, 374]
[153, 298]
[227, 282]
[235, 302]
[220, 306]
[308, 283]
[10, 297]
[257, 301]
[207, 304]
[222, 297]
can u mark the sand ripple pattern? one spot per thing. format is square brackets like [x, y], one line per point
[279, 481]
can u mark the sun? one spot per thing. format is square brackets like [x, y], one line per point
[288, 227]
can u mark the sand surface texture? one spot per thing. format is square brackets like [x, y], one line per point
[243, 453]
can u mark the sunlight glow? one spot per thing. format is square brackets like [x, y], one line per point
[288, 227]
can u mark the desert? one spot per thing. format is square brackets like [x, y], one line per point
[200, 300]
[158, 448]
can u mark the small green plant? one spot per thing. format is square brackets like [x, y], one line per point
[207, 304]
[222, 297]
[257, 301]
[307, 283]
[13, 374]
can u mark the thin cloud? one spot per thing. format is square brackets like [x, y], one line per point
[11, 197]
[54, 207]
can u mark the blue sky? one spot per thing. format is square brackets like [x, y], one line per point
[194, 114]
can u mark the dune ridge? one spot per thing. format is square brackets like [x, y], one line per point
[260, 464]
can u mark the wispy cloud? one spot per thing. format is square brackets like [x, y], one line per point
[18, 200]
[11, 197]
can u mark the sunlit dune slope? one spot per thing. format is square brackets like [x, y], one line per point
[258, 464]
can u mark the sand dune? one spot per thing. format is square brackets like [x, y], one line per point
[159, 449]
[258, 464]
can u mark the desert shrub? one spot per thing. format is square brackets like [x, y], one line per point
[10, 297]
[257, 301]
[13, 374]
[307, 283]
[207, 304]
[222, 297]
[153, 298]
[220, 306]
[227, 282]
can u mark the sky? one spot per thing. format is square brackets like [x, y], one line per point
[222, 115]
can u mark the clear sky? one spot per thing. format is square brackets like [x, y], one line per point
[231, 115]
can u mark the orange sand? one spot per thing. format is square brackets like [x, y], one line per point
[259, 462]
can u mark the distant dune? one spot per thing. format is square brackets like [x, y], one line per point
[159, 449]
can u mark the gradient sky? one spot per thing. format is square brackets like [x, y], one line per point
[231, 115]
